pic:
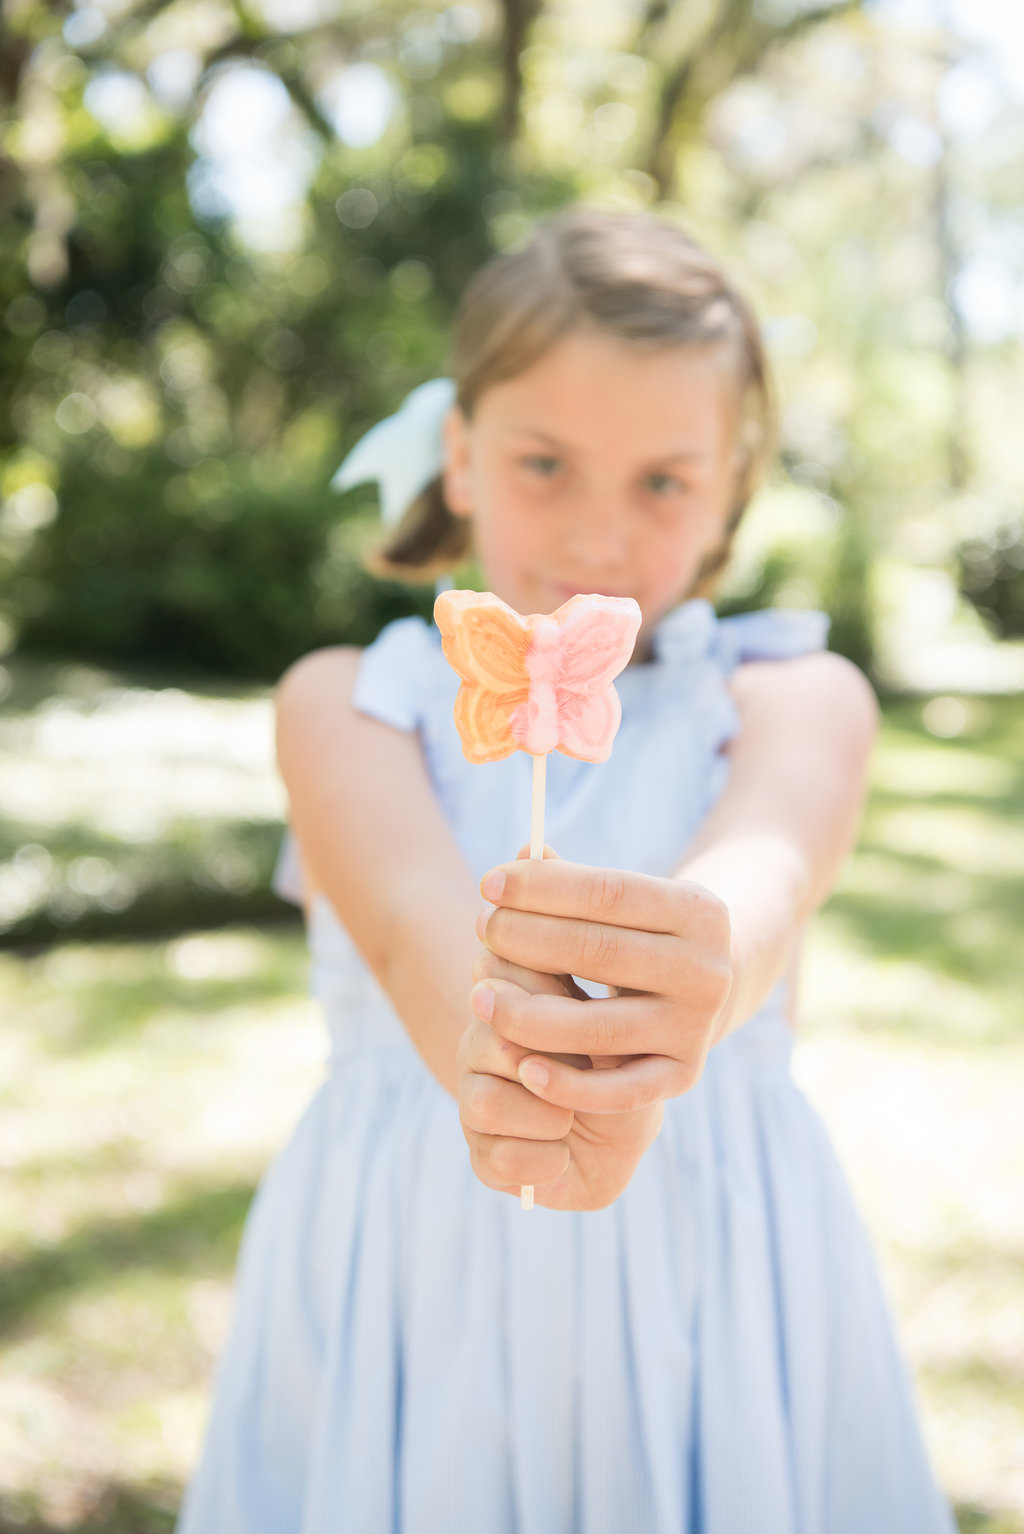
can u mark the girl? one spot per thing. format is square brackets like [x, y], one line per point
[689, 1335]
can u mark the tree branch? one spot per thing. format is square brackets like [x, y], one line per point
[247, 46]
[519, 18]
[733, 45]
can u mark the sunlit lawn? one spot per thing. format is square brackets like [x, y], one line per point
[146, 1084]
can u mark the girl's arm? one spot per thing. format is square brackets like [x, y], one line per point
[692, 956]
[376, 845]
[773, 846]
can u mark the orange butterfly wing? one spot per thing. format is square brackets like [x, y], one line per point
[484, 641]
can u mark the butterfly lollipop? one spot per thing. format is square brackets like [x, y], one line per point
[537, 684]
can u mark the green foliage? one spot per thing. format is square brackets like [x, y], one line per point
[195, 874]
[177, 387]
[991, 576]
[177, 401]
[210, 402]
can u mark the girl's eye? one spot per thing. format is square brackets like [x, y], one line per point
[663, 484]
[542, 464]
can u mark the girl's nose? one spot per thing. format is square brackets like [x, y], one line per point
[597, 535]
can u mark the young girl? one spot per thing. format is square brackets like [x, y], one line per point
[688, 1335]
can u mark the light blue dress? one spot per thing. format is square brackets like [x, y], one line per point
[412, 1353]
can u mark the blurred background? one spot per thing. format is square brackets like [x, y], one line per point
[231, 239]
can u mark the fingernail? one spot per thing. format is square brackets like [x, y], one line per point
[533, 1074]
[481, 999]
[492, 884]
[481, 925]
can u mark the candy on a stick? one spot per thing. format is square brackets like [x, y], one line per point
[537, 684]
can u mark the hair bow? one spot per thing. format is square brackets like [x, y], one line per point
[404, 452]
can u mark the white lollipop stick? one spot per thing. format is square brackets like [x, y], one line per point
[540, 764]
[496, 652]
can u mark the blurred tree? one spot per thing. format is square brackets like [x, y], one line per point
[728, 41]
[991, 576]
[179, 386]
[231, 237]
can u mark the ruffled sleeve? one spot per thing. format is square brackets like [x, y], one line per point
[709, 649]
[775, 633]
[392, 683]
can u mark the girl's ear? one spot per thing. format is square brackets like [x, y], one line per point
[455, 473]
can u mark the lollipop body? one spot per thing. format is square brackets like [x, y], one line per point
[539, 683]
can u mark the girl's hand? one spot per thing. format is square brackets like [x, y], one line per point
[573, 1160]
[662, 944]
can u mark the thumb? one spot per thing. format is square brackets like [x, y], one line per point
[524, 852]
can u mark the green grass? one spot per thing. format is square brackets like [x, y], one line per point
[145, 1084]
[132, 810]
[934, 897]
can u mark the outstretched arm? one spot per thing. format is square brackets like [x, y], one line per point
[376, 845]
[693, 956]
[773, 846]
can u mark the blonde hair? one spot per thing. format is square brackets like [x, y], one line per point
[636, 276]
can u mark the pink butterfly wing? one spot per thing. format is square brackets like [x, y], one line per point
[598, 638]
[587, 723]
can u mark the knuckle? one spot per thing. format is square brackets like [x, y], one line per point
[472, 1048]
[472, 1104]
[686, 1075]
[561, 1120]
[497, 931]
[648, 1092]
[715, 984]
[680, 968]
[609, 891]
[480, 1161]
[483, 965]
[503, 1160]
[483, 1097]
[723, 982]
[601, 1031]
[716, 917]
[598, 945]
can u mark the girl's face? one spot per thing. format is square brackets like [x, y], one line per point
[603, 467]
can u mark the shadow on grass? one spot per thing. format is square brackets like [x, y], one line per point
[110, 1008]
[199, 1231]
[974, 1520]
[197, 873]
[891, 926]
[89, 997]
[116, 1509]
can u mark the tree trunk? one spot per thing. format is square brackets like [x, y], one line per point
[519, 16]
